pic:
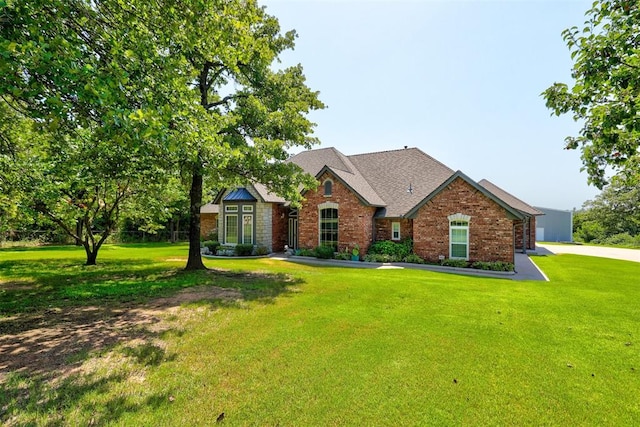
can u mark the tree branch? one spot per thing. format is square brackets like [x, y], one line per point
[225, 100]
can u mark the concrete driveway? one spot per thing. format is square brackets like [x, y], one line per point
[599, 251]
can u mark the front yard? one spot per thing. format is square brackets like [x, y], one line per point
[136, 341]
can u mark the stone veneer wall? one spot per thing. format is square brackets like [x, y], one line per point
[262, 218]
[355, 220]
[490, 229]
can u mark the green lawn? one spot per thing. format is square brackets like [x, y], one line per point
[333, 346]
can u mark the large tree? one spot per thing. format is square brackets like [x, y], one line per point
[605, 94]
[134, 89]
[68, 76]
[237, 114]
[615, 211]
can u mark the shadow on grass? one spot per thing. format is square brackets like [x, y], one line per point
[30, 399]
[43, 327]
[58, 316]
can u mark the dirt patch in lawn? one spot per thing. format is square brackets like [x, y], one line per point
[50, 342]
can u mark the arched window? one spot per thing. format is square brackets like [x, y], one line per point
[329, 227]
[328, 187]
[459, 236]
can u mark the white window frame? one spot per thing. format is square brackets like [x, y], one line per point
[459, 222]
[231, 208]
[247, 208]
[395, 231]
[244, 234]
[226, 229]
[321, 207]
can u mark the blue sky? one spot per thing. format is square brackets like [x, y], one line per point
[461, 80]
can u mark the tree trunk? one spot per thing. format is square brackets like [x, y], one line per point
[92, 253]
[172, 235]
[92, 256]
[195, 194]
[79, 229]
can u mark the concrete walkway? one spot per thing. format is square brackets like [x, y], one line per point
[525, 268]
[599, 251]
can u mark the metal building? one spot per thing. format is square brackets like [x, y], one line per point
[554, 226]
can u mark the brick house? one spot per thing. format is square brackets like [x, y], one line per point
[208, 220]
[389, 195]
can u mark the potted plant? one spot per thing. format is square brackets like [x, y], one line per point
[355, 253]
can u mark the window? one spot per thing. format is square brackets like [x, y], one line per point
[329, 227]
[395, 231]
[231, 229]
[459, 239]
[239, 224]
[328, 187]
[247, 229]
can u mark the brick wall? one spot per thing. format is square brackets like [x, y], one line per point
[490, 230]
[355, 220]
[280, 224]
[531, 234]
[208, 224]
[383, 229]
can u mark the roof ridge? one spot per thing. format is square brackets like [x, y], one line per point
[349, 167]
[384, 151]
[404, 149]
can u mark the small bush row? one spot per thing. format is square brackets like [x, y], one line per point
[622, 239]
[389, 251]
[479, 265]
[217, 248]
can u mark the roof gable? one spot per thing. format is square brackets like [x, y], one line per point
[312, 161]
[513, 213]
[355, 183]
[317, 162]
[402, 178]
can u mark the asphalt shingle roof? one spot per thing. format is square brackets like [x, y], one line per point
[509, 199]
[266, 195]
[395, 181]
[391, 173]
[314, 161]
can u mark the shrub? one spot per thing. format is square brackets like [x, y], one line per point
[481, 265]
[622, 239]
[213, 245]
[493, 266]
[503, 266]
[324, 252]
[460, 263]
[590, 231]
[343, 255]
[244, 250]
[398, 251]
[306, 252]
[379, 258]
[414, 259]
[262, 250]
